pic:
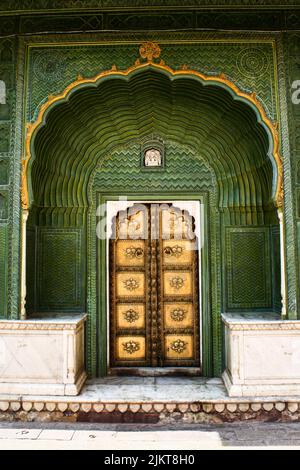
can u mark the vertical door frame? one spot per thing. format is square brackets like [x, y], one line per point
[102, 277]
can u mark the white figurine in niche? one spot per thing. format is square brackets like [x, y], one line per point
[152, 157]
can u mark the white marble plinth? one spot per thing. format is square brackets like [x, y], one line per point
[262, 356]
[42, 356]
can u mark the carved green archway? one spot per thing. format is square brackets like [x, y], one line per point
[225, 132]
[228, 103]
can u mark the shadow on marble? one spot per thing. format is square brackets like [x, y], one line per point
[163, 381]
[180, 381]
[122, 381]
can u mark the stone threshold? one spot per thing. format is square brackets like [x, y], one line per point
[150, 400]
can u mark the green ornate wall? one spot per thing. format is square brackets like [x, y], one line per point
[8, 200]
[34, 66]
[291, 51]
[225, 160]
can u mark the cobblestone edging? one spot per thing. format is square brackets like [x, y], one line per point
[149, 412]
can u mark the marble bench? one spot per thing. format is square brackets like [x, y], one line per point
[42, 356]
[262, 356]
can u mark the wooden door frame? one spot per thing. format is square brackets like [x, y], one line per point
[102, 277]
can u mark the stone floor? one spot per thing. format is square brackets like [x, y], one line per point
[149, 437]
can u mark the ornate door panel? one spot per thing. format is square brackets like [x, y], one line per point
[154, 294]
[129, 289]
[179, 292]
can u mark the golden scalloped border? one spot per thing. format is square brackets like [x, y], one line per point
[150, 51]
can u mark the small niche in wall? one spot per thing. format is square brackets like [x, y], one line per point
[153, 154]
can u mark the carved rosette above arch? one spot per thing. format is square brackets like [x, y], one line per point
[150, 60]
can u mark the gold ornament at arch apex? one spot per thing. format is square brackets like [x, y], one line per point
[150, 51]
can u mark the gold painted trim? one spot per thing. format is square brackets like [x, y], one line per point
[152, 53]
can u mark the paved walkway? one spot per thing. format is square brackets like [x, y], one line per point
[58, 436]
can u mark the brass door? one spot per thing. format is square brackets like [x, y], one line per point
[154, 293]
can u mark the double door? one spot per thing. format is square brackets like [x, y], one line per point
[154, 288]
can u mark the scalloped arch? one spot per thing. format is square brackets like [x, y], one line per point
[232, 169]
